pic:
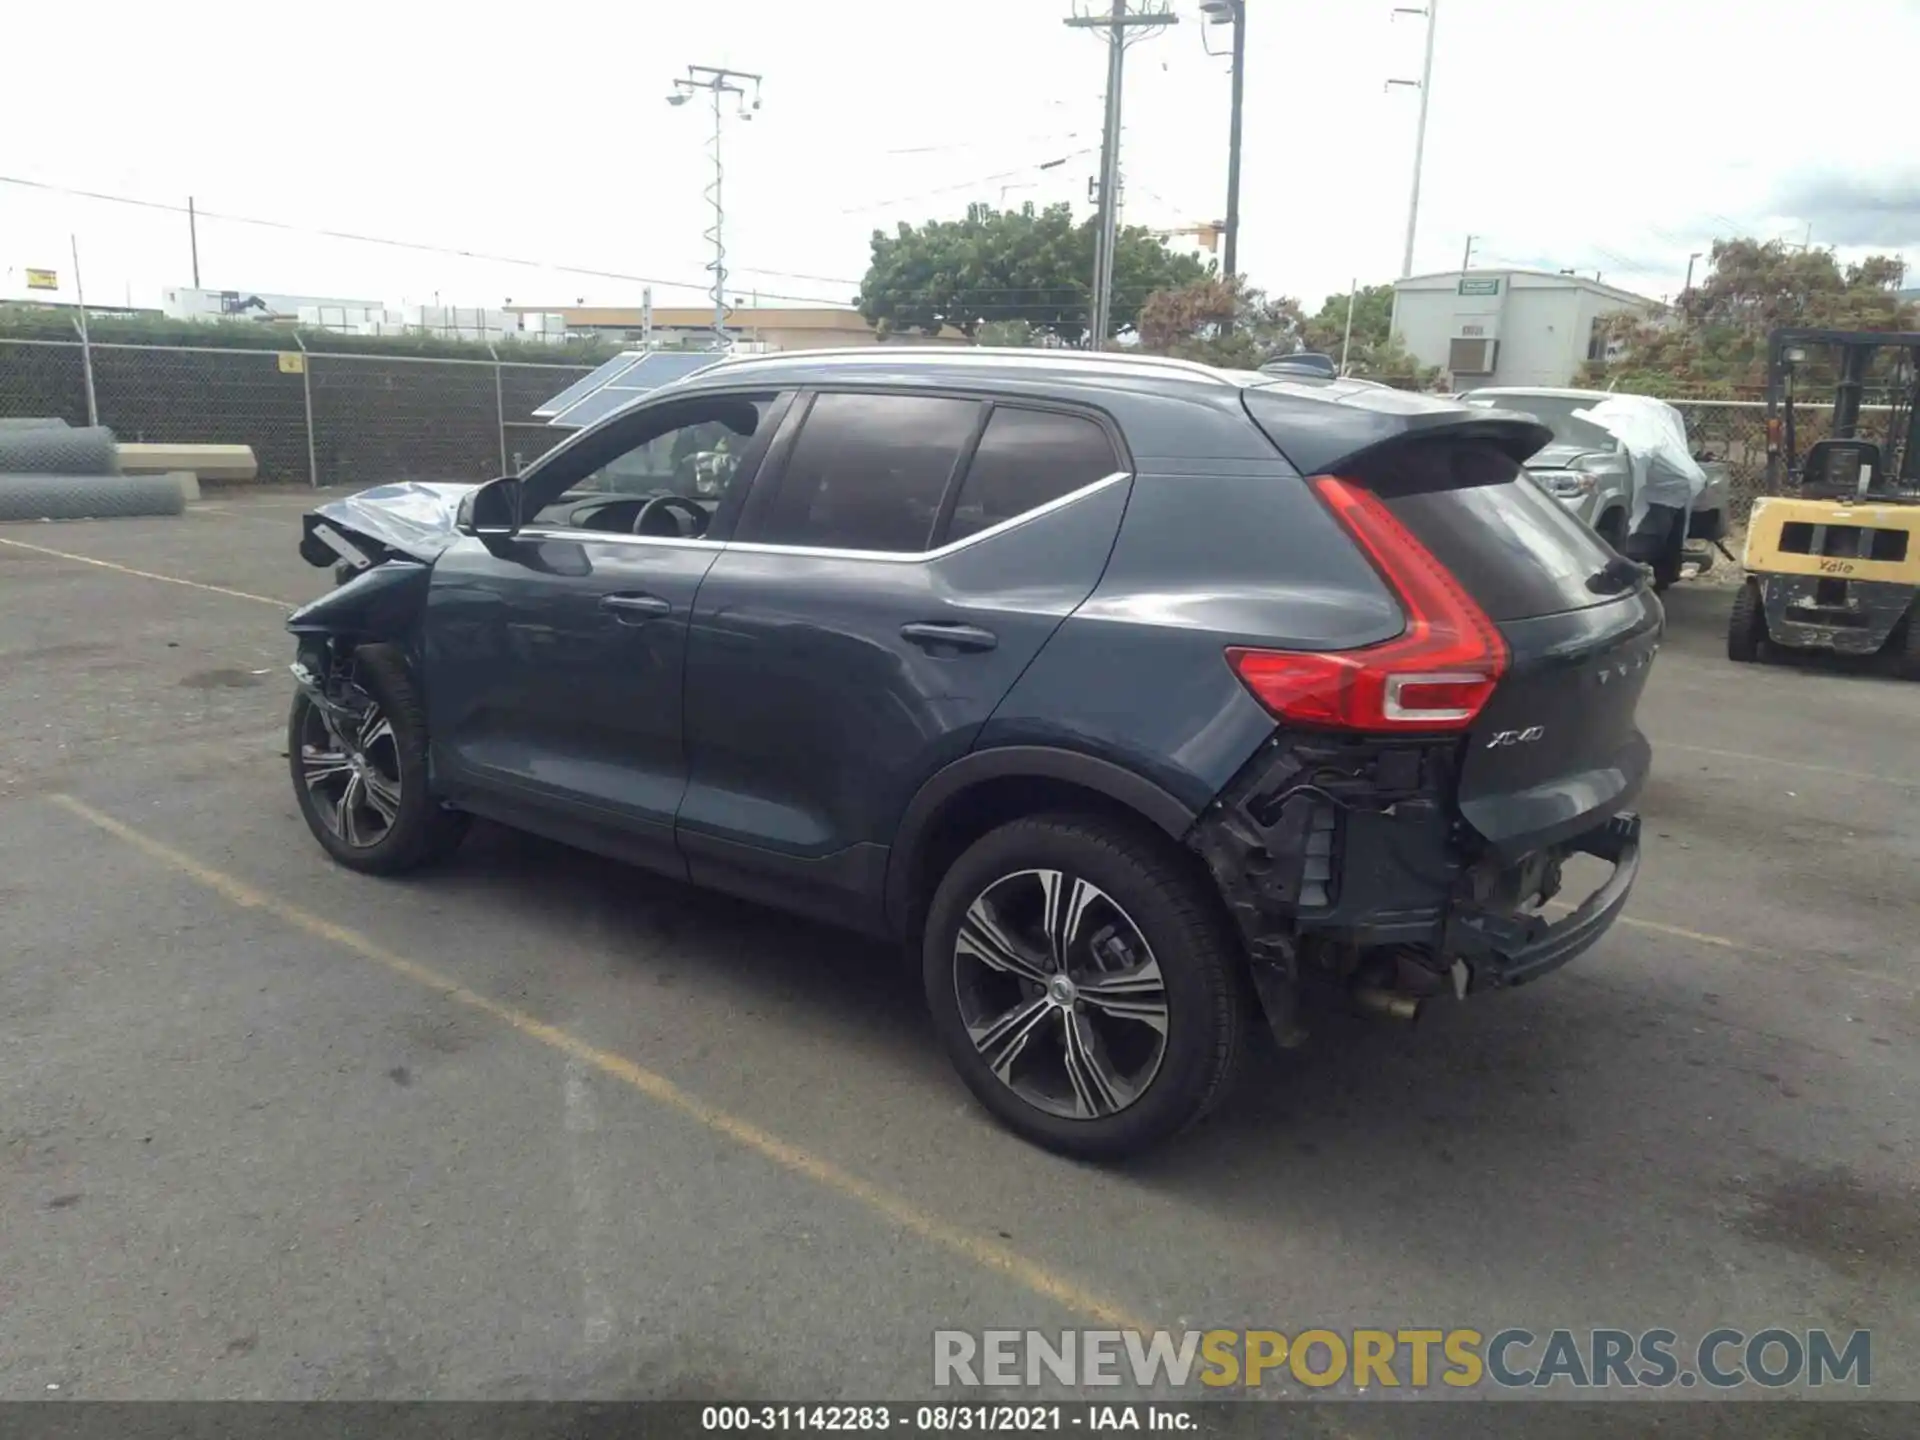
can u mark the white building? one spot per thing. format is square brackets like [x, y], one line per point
[1506, 327]
[183, 303]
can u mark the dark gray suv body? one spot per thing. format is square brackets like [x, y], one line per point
[1144, 698]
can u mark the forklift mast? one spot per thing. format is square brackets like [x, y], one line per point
[1853, 352]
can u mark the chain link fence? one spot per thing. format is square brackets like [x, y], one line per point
[1736, 431]
[316, 418]
[355, 420]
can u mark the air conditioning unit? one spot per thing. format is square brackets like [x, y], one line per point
[1472, 355]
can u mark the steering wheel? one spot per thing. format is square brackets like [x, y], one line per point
[691, 508]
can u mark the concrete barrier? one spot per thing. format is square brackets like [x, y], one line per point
[209, 462]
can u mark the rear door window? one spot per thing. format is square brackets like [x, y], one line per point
[868, 472]
[1027, 458]
[1513, 548]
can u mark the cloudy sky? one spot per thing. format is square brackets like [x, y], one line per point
[1614, 137]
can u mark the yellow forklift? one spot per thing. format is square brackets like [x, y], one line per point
[1833, 552]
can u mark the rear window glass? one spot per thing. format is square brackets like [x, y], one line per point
[1513, 548]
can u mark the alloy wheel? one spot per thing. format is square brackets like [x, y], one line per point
[352, 772]
[1061, 994]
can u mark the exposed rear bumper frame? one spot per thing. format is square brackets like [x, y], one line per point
[1502, 951]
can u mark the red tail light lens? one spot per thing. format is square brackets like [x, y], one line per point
[1434, 675]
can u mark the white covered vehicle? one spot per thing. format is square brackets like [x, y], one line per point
[1625, 465]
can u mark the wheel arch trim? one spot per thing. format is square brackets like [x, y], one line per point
[1035, 762]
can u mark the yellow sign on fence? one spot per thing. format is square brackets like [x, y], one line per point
[43, 279]
[292, 362]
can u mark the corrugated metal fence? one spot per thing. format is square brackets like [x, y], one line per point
[315, 417]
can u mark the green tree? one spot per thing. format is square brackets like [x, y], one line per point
[1375, 352]
[1002, 267]
[1220, 321]
[1713, 341]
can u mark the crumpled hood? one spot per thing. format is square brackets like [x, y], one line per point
[414, 517]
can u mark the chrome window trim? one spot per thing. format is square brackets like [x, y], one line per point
[819, 552]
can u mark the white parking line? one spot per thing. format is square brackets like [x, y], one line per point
[151, 575]
[1775, 760]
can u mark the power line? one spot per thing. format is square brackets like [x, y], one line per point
[323, 232]
[999, 296]
[969, 184]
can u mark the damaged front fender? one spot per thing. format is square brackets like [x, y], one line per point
[382, 604]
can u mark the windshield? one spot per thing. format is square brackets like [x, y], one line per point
[1554, 411]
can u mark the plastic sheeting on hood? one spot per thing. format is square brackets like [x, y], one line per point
[1655, 437]
[413, 517]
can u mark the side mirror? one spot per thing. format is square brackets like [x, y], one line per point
[491, 511]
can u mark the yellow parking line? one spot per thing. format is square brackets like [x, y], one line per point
[900, 1211]
[150, 575]
[1747, 947]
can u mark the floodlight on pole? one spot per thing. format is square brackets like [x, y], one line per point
[718, 82]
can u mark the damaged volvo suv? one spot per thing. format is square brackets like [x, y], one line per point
[1143, 700]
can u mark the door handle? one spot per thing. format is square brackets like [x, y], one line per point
[634, 609]
[929, 635]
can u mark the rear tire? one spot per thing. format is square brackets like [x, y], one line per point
[364, 795]
[1085, 984]
[1747, 625]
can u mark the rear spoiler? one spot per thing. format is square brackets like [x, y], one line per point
[1323, 429]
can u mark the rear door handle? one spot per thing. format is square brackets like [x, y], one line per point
[928, 635]
[633, 609]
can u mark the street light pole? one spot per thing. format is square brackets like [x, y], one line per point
[1233, 136]
[720, 82]
[1420, 131]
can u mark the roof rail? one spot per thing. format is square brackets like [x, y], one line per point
[1001, 354]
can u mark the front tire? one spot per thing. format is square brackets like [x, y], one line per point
[362, 788]
[1747, 625]
[1085, 984]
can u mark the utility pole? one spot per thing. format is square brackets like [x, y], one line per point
[193, 240]
[1466, 256]
[1689, 285]
[719, 82]
[1425, 85]
[1119, 19]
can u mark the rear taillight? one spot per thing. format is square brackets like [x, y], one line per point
[1435, 675]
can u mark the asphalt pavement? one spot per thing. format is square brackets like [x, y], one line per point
[535, 1125]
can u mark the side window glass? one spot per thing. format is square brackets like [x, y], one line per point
[1025, 459]
[868, 472]
[698, 460]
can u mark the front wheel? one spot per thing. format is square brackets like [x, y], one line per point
[1747, 625]
[1085, 984]
[360, 772]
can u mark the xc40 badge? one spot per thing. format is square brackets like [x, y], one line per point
[1517, 737]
